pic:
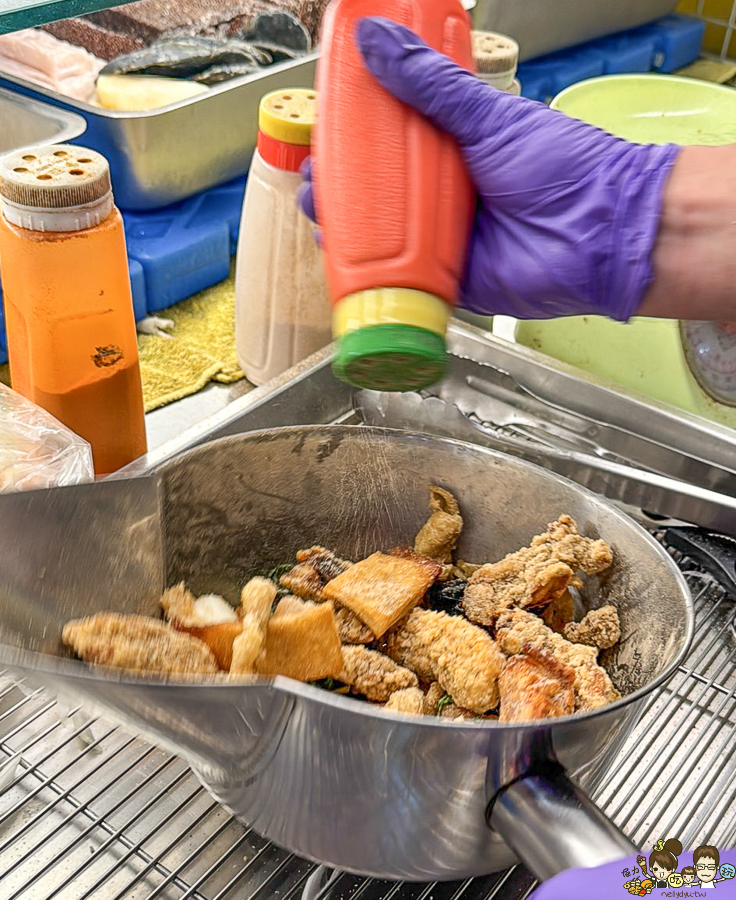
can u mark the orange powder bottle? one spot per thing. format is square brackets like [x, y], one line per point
[394, 201]
[69, 317]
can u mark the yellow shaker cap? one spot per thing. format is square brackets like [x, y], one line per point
[288, 115]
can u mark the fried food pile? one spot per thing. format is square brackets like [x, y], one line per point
[411, 629]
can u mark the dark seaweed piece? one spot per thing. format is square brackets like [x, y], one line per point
[218, 74]
[447, 596]
[278, 30]
[186, 56]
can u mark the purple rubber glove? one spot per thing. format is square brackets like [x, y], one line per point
[617, 879]
[567, 215]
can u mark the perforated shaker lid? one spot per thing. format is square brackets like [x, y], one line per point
[288, 115]
[494, 53]
[54, 177]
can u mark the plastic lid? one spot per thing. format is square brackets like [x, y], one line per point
[390, 358]
[288, 115]
[55, 176]
[494, 53]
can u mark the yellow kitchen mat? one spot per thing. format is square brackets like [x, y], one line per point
[201, 347]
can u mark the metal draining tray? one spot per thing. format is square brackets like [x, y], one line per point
[87, 811]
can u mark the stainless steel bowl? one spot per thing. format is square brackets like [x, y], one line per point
[328, 777]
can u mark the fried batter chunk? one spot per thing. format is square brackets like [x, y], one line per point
[535, 685]
[463, 658]
[599, 628]
[314, 568]
[256, 600]
[518, 629]
[535, 576]
[140, 643]
[439, 535]
[373, 674]
[407, 700]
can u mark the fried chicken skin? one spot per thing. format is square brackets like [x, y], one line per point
[599, 628]
[463, 658]
[140, 643]
[314, 568]
[373, 674]
[439, 535]
[535, 685]
[535, 576]
[518, 630]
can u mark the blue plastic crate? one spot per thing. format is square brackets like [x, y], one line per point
[185, 247]
[662, 46]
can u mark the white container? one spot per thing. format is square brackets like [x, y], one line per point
[282, 312]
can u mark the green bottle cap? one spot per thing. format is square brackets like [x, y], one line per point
[390, 357]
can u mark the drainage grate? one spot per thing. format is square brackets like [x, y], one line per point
[86, 811]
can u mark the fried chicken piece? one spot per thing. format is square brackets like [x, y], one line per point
[408, 700]
[535, 685]
[439, 535]
[350, 628]
[383, 588]
[593, 688]
[186, 611]
[560, 612]
[314, 568]
[599, 628]
[535, 576]
[463, 658]
[303, 644]
[140, 643]
[456, 713]
[518, 629]
[373, 674]
[435, 692]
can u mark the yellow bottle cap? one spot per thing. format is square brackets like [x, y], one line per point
[288, 115]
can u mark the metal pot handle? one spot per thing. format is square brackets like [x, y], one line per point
[551, 825]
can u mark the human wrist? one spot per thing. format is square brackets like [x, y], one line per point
[694, 256]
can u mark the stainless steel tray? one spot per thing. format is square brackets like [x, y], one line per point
[163, 155]
[25, 122]
[87, 811]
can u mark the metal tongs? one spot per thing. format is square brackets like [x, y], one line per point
[647, 490]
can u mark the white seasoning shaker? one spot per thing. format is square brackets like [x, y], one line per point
[282, 313]
[496, 58]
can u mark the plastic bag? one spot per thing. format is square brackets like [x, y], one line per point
[36, 450]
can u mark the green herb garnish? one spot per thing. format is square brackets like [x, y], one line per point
[444, 701]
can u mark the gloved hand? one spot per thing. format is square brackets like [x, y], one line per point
[567, 215]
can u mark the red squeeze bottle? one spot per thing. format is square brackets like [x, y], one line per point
[394, 201]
